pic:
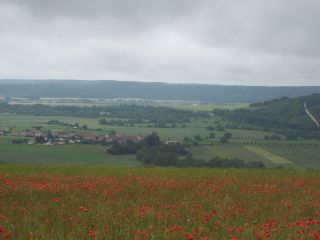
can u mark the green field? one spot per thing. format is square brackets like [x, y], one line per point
[60, 154]
[304, 157]
[229, 152]
[268, 155]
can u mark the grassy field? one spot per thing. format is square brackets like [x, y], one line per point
[268, 155]
[304, 157]
[87, 202]
[60, 154]
[228, 152]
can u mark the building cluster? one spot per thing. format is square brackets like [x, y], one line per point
[67, 137]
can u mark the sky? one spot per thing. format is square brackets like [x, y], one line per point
[231, 42]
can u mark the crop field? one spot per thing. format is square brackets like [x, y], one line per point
[157, 203]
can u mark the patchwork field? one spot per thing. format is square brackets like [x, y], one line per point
[273, 153]
[157, 203]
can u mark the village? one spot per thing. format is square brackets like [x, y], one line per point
[50, 138]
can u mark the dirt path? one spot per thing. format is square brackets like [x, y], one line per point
[311, 116]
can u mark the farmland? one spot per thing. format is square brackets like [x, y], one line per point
[295, 152]
[157, 203]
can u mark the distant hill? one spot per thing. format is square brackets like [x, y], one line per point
[284, 113]
[156, 91]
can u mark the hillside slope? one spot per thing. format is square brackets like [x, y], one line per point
[280, 113]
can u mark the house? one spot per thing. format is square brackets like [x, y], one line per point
[48, 144]
[62, 134]
[26, 133]
[40, 133]
[104, 113]
[87, 135]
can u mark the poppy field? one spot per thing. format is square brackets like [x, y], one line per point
[157, 203]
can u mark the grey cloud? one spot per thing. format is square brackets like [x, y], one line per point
[208, 41]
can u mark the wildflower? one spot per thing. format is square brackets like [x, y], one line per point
[92, 234]
[6, 235]
[83, 209]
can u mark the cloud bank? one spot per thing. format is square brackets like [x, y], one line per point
[239, 42]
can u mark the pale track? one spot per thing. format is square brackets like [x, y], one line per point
[311, 116]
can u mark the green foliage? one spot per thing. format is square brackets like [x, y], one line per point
[157, 156]
[19, 141]
[226, 137]
[286, 115]
[128, 147]
[212, 135]
[152, 140]
[40, 139]
[280, 113]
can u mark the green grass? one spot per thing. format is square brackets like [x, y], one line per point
[60, 154]
[228, 152]
[268, 155]
[304, 157]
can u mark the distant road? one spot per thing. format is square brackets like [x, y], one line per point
[311, 116]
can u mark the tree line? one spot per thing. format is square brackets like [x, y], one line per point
[151, 151]
[141, 114]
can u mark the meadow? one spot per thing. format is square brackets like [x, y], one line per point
[98, 202]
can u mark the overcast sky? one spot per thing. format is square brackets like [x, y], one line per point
[239, 42]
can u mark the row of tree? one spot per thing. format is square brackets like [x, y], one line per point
[60, 123]
[136, 113]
